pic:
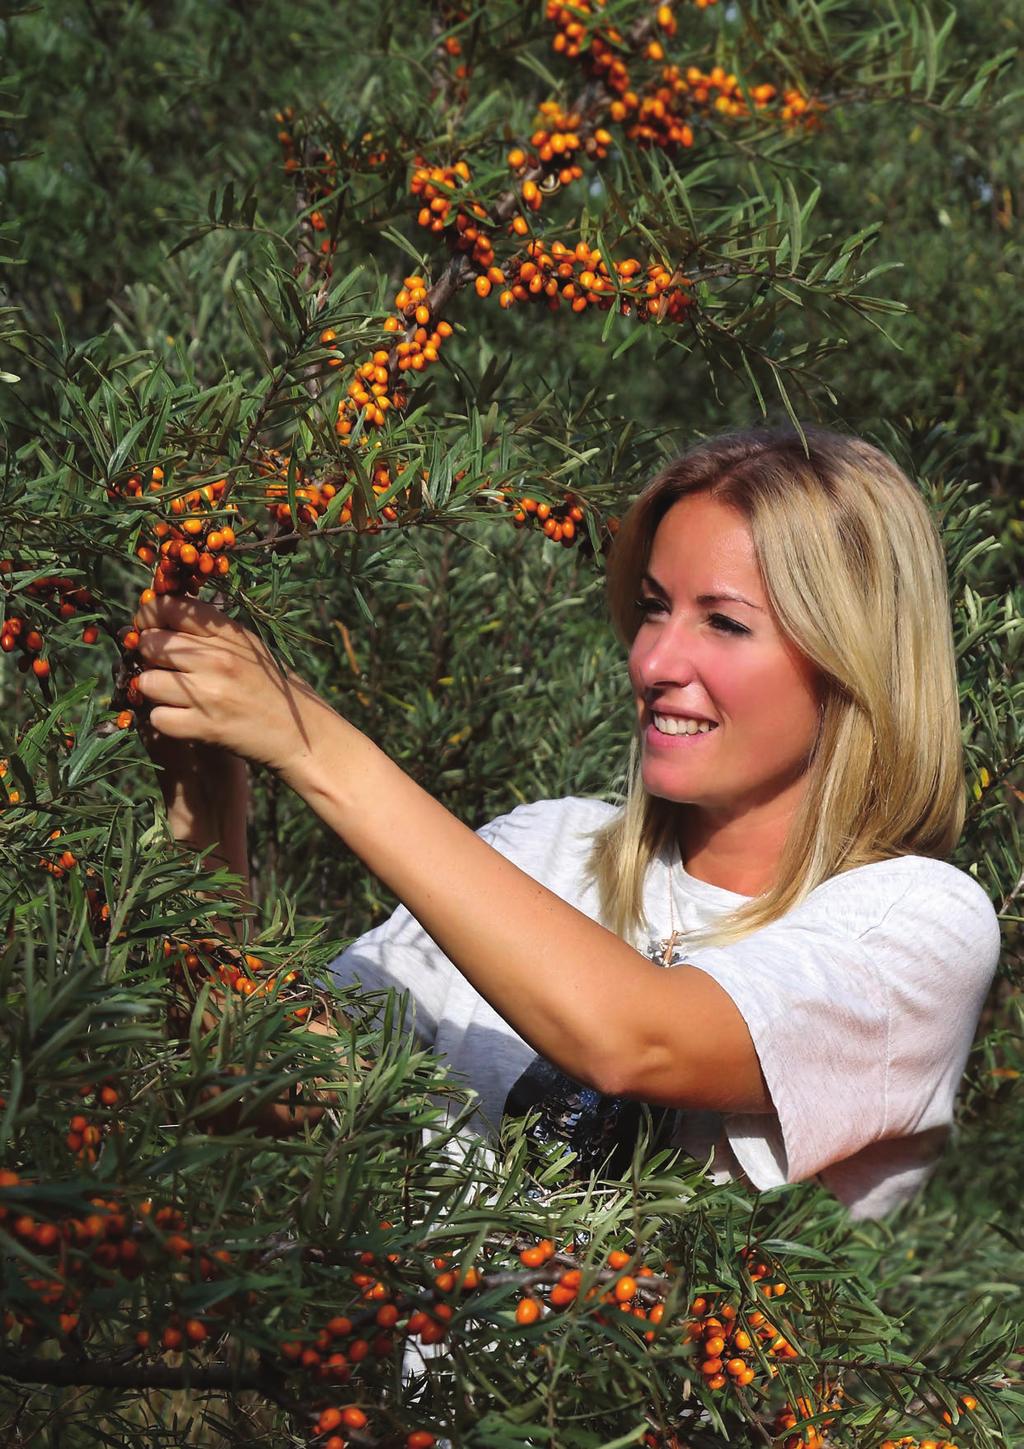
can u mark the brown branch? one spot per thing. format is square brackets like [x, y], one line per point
[108, 1373]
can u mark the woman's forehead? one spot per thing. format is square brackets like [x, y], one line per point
[706, 547]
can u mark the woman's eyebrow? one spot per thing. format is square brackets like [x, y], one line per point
[727, 598]
[703, 599]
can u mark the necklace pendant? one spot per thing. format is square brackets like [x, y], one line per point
[665, 951]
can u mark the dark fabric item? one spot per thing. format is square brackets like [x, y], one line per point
[601, 1130]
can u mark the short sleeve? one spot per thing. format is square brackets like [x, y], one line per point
[400, 954]
[862, 1018]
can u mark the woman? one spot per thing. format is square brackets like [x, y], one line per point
[796, 782]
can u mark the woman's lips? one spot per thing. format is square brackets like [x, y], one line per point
[654, 738]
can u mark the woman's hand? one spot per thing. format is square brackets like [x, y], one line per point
[209, 680]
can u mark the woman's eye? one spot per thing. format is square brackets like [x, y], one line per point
[725, 625]
[647, 606]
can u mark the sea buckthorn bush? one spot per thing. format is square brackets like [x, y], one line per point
[380, 376]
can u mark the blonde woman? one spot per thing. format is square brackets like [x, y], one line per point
[796, 786]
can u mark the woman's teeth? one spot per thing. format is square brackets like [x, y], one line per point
[670, 724]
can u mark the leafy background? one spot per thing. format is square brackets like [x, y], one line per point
[144, 204]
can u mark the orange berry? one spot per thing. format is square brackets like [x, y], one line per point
[419, 1439]
[625, 1289]
[528, 1310]
[329, 1419]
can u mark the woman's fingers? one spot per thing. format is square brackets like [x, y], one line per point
[167, 649]
[186, 616]
[165, 686]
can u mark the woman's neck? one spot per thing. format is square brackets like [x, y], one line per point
[737, 853]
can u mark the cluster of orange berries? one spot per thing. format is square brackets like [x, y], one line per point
[193, 548]
[452, 15]
[83, 1136]
[619, 1292]
[53, 1294]
[557, 144]
[323, 161]
[372, 388]
[246, 975]
[558, 521]
[435, 185]
[381, 483]
[59, 865]
[813, 1436]
[368, 1333]
[572, 33]
[134, 487]
[725, 1345]
[332, 1422]
[580, 277]
[659, 114]
[312, 498]
[99, 910]
[112, 1236]
[13, 796]
[65, 596]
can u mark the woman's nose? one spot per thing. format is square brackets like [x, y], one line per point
[667, 659]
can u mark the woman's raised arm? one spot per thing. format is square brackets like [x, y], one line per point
[575, 991]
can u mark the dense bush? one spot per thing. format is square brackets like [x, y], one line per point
[195, 286]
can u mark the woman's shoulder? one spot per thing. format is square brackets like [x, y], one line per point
[551, 839]
[916, 897]
[551, 819]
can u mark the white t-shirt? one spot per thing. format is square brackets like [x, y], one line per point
[862, 1003]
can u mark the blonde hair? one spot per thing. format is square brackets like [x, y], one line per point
[854, 569]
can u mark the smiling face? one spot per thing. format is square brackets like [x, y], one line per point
[709, 649]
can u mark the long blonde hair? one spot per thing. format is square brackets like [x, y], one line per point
[854, 569]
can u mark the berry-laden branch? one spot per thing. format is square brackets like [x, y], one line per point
[659, 112]
[191, 546]
[333, 1372]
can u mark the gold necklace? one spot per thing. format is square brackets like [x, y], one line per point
[666, 959]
